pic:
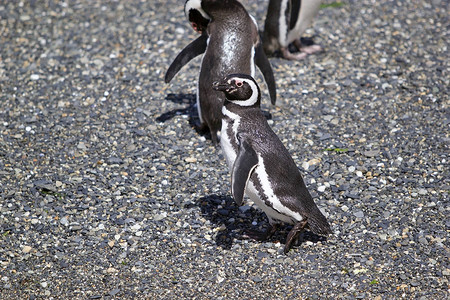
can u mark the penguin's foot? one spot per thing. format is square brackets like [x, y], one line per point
[311, 49]
[291, 56]
[214, 137]
[204, 130]
[293, 234]
[201, 128]
[308, 49]
[262, 236]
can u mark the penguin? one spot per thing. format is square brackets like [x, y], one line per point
[261, 167]
[286, 20]
[230, 42]
[196, 16]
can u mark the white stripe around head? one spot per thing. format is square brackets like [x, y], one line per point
[195, 4]
[253, 98]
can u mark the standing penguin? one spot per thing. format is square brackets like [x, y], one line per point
[230, 42]
[286, 20]
[261, 167]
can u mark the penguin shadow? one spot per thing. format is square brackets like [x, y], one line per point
[224, 215]
[189, 110]
[234, 224]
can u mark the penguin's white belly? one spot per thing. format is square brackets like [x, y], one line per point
[307, 13]
[283, 27]
[199, 107]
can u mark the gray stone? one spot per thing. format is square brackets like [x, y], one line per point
[359, 214]
[372, 153]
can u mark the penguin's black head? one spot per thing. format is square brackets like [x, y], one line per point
[241, 89]
[198, 18]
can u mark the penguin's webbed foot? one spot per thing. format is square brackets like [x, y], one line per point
[201, 128]
[307, 49]
[262, 236]
[293, 234]
[291, 56]
[214, 138]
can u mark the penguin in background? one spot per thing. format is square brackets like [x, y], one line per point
[230, 42]
[196, 16]
[261, 167]
[286, 21]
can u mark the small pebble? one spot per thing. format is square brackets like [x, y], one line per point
[359, 214]
[111, 270]
[64, 221]
[244, 208]
[26, 249]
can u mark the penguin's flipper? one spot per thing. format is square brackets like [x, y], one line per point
[264, 66]
[194, 49]
[246, 161]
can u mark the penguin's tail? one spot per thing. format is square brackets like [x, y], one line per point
[319, 224]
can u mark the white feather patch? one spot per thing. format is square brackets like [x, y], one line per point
[199, 108]
[279, 211]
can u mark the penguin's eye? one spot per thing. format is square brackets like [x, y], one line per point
[239, 83]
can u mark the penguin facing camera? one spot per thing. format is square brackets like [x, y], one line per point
[230, 42]
[286, 21]
[261, 167]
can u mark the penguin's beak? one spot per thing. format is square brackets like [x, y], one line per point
[220, 86]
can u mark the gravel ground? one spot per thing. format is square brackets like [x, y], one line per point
[108, 192]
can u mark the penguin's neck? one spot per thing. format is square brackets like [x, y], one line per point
[212, 7]
[224, 10]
